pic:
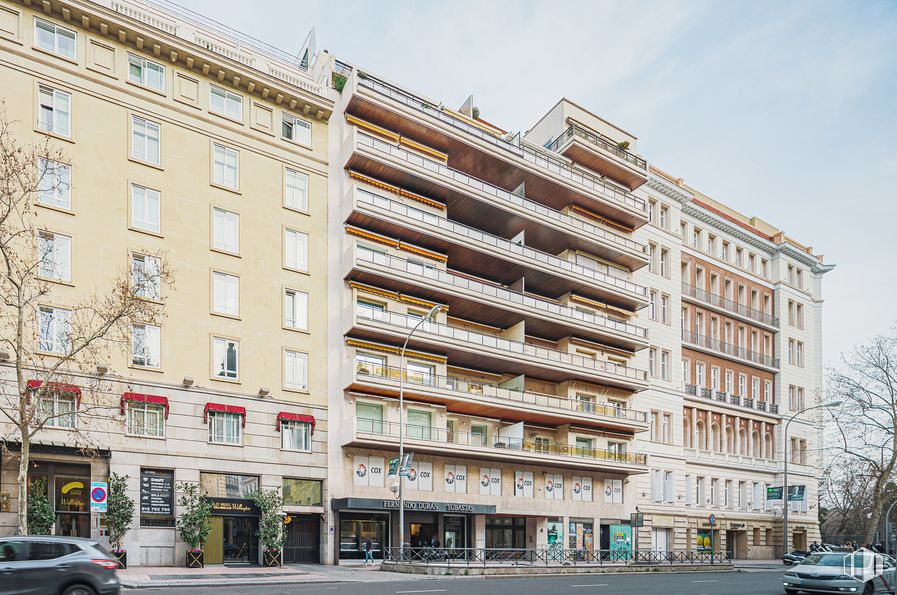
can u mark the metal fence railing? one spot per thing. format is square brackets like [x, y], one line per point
[549, 556]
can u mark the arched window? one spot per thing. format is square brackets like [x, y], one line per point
[686, 432]
[743, 442]
[715, 437]
[730, 440]
[770, 447]
[756, 441]
[702, 435]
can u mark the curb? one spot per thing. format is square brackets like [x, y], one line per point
[227, 582]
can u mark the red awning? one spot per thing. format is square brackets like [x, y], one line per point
[140, 398]
[283, 415]
[61, 388]
[223, 409]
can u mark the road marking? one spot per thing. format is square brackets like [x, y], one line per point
[424, 591]
[595, 585]
[707, 581]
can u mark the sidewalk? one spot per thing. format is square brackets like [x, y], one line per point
[759, 565]
[144, 577]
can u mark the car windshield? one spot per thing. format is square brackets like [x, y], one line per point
[823, 560]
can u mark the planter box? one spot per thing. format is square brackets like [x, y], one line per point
[195, 559]
[272, 558]
[122, 557]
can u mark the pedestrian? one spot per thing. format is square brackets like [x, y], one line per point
[368, 552]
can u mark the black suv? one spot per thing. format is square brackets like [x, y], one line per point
[51, 565]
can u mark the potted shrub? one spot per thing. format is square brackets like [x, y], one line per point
[194, 524]
[41, 518]
[271, 530]
[475, 113]
[119, 516]
[338, 81]
[623, 145]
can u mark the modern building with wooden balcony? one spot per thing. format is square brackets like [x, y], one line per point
[526, 378]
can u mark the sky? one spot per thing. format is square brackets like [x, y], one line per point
[783, 110]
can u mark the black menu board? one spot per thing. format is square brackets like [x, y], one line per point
[156, 498]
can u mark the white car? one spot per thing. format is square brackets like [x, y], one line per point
[863, 572]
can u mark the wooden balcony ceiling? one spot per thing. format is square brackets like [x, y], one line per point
[473, 357]
[503, 271]
[485, 166]
[495, 408]
[595, 159]
[484, 312]
[497, 221]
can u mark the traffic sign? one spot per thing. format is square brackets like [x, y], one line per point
[712, 519]
[99, 491]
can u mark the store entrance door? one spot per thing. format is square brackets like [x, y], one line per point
[455, 532]
[240, 540]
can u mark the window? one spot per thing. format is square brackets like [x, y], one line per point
[146, 72]
[145, 345]
[296, 190]
[295, 435]
[683, 230]
[800, 315]
[225, 294]
[225, 428]
[55, 184]
[145, 140]
[145, 209]
[54, 110]
[420, 373]
[652, 206]
[55, 254]
[295, 309]
[665, 309]
[767, 391]
[696, 237]
[370, 417]
[226, 166]
[145, 419]
[686, 371]
[652, 361]
[57, 410]
[226, 355]
[295, 370]
[226, 103]
[585, 446]
[226, 231]
[664, 217]
[53, 38]
[666, 431]
[714, 378]
[54, 329]
[145, 276]
[664, 262]
[752, 262]
[296, 130]
[742, 385]
[541, 444]
[800, 354]
[730, 382]
[699, 374]
[665, 364]
[764, 268]
[227, 485]
[303, 492]
[585, 402]
[653, 305]
[419, 424]
[724, 252]
[800, 398]
[295, 248]
[739, 258]
[652, 260]
[711, 244]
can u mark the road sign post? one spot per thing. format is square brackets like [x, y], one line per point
[712, 520]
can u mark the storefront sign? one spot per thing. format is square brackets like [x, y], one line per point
[796, 493]
[774, 493]
[156, 497]
[736, 526]
[233, 507]
[374, 504]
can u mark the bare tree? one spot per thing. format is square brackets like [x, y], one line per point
[55, 352]
[864, 431]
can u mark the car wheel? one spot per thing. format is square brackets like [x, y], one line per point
[79, 589]
[869, 589]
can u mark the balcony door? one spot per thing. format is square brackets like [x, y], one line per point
[370, 418]
[419, 424]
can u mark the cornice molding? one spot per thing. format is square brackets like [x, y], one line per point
[665, 187]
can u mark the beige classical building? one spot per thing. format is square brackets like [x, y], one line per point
[184, 139]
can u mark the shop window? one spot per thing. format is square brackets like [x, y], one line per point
[225, 485]
[303, 492]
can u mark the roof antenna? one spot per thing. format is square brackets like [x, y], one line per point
[307, 51]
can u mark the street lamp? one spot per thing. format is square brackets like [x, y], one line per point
[431, 315]
[828, 405]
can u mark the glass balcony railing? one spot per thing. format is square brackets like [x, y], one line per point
[506, 396]
[514, 299]
[729, 305]
[542, 159]
[515, 250]
[599, 141]
[389, 431]
[537, 210]
[509, 347]
[729, 349]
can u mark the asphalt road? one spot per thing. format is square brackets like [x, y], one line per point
[703, 583]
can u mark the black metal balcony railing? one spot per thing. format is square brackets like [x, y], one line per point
[493, 391]
[749, 403]
[729, 305]
[729, 349]
[536, 209]
[541, 159]
[390, 430]
[516, 298]
[553, 555]
[496, 242]
[599, 141]
[509, 347]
